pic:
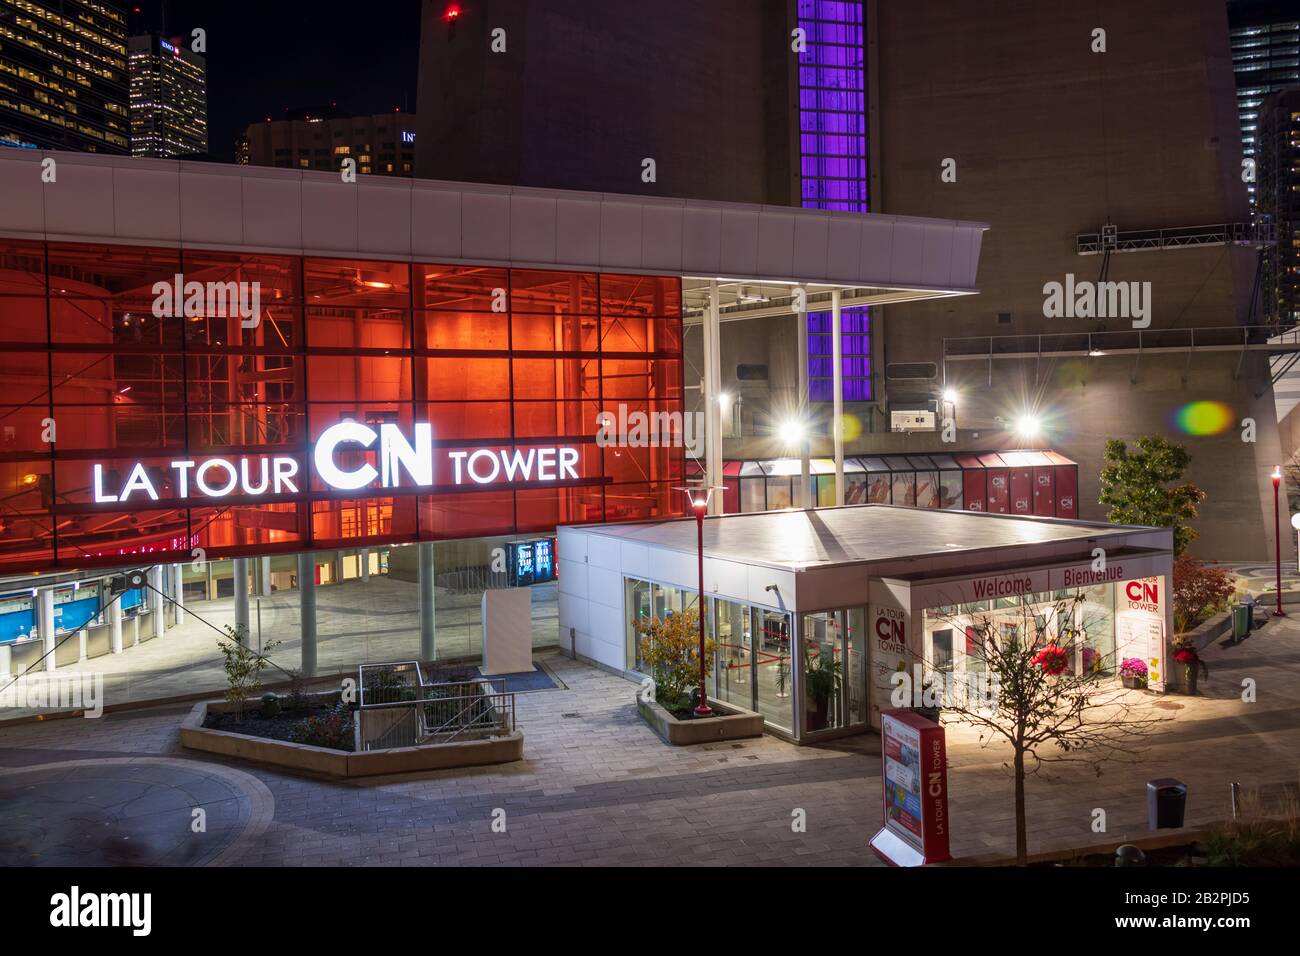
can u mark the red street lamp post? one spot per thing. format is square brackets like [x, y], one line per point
[1277, 535]
[699, 499]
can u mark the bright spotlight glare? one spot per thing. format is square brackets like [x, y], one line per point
[1028, 426]
[791, 432]
[950, 395]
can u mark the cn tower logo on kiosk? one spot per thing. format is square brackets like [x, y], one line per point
[402, 462]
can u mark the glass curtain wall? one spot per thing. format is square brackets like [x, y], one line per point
[834, 669]
[1084, 617]
[84, 342]
[752, 666]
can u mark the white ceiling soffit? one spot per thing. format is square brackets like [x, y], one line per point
[121, 199]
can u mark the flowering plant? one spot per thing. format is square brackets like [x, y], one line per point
[1133, 667]
[1186, 655]
[1052, 659]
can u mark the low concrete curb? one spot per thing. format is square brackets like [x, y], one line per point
[735, 723]
[339, 763]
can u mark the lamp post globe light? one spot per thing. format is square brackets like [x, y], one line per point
[1277, 534]
[699, 496]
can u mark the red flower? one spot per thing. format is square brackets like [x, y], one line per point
[1186, 655]
[1052, 659]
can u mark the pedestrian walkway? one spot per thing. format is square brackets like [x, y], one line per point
[597, 787]
[356, 622]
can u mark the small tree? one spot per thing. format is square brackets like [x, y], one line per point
[1140, 487]
[1200, 590]
[243, 668]
[1046, 708]
[670, 647]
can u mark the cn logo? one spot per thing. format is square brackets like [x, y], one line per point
[1148, 591]
[888, 630]
[998, 482]
[1067, 502]
[977, 506]
[1044, 480]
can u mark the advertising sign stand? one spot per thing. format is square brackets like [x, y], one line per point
[914, 764]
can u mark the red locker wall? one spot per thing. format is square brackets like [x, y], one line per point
[1021, 481]
[1044, 491]
[973, 489]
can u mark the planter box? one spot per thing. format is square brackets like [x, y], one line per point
[340, 763]
[733, 723]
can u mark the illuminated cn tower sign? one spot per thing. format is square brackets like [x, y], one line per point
[252, 477]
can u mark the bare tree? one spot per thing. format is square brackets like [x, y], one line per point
[1049, 693]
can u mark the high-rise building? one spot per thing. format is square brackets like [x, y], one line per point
[1265, 38]
[169, 98]
[382, 144]
[63, 75]
[1277, 153]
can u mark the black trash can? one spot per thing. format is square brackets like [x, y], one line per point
[1166, 803]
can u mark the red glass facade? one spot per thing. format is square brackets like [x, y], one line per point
[493, 358]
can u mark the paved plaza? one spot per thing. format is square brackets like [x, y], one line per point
[597, 787]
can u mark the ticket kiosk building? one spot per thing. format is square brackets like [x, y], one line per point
[867, 590]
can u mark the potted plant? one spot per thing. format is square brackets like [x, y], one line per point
[1193, 666]
[1133, 673]
[821, 680]
[782, 677]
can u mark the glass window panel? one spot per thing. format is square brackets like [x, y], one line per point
[546, 378]
[773, 676]
[536, 290]
[367, 378]
[554, 332]
[374, 328]
[22, 319]
[477, 331]
[278, 277]
[346, 521]
[124, 273]
[22, 268]
[461, 379]
[217, 377]
[640, 295]
[485, 421]
[467, 515]
[357, 282]
[224, 426]
[460, 288]
[566, 419]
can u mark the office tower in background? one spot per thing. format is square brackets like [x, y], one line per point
[382, 144]
[169, 98]
[63, 75]
[1265, 38]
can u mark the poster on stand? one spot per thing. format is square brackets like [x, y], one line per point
[915, 791]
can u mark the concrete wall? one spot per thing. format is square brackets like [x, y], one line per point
[578, 101]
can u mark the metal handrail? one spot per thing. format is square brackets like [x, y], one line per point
[473, 709]
[1204, 337]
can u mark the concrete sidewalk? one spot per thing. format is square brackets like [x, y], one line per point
[598, 787]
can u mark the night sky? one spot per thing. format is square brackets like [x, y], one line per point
[268, 56]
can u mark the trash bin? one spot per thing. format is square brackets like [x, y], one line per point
[1166, 803]
[1251, 603]
[1240, 621]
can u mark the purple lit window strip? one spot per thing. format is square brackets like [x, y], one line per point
[833, 167]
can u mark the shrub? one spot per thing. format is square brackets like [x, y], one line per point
[670, 647]
[243, 668]
[1200, 591]
[333, 730]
